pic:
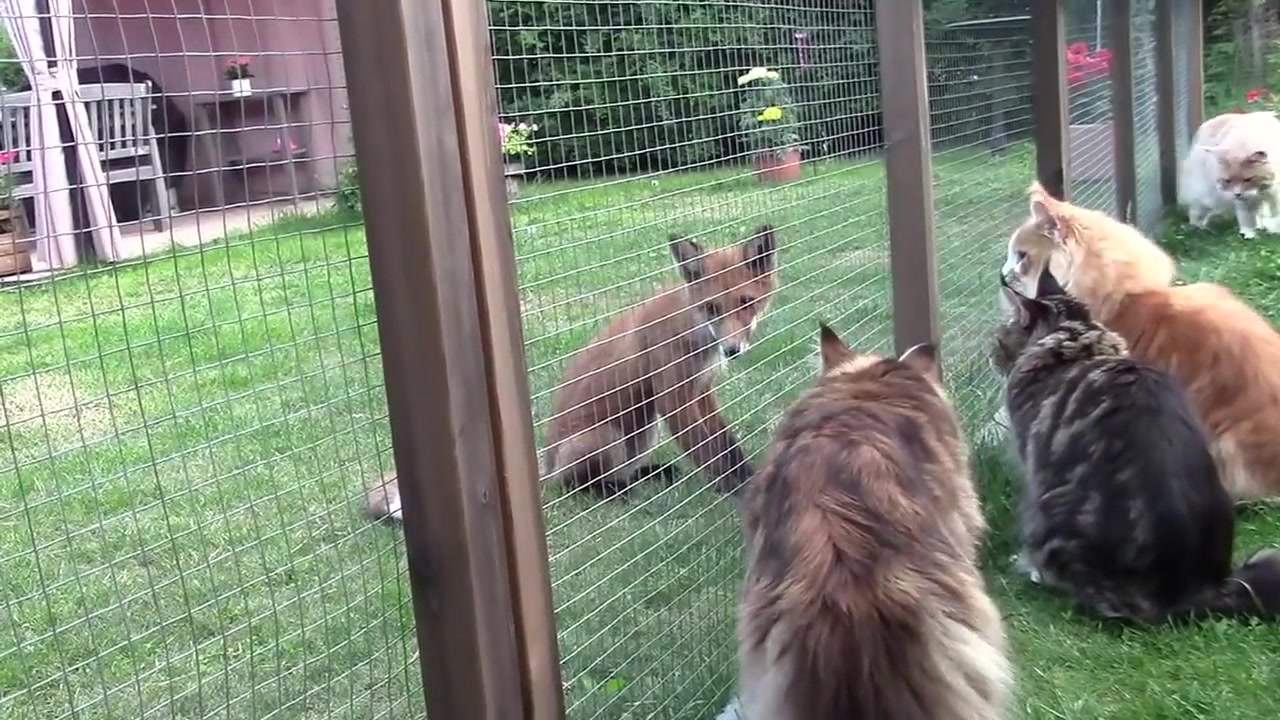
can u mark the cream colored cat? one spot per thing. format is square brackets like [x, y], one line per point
[1229, 167]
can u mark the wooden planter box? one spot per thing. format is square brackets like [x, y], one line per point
[15, 244]
[1090, 151]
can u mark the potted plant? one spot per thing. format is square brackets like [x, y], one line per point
[516, 140]
[239, 74]
[1090, 140]
[15, 248]
[770, 126]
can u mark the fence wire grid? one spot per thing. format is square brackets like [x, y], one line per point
[190, 372]
[189, 375]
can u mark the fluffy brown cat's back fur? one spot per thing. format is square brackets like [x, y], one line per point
[1096, 257]
[1227, 357]
[862, 597]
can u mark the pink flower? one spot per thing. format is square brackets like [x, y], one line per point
[8, 156]
[504, 129]
[1077, 49]
[1256, 95]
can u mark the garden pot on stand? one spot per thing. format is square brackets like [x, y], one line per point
[512, 172]
[775, 168]
[241, 87]
[1090, 155]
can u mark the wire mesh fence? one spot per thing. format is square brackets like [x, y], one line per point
[190, 370]
[188, 373]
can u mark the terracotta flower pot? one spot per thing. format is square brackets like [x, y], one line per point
[775, 169]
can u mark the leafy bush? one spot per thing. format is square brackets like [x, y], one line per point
[348, 195]
[768, 119]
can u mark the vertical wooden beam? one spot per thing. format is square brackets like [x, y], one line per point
[1120, 40]
[494, 253]
[1195, 64]
[449, 329]
[1049, 94]
[904, 100]
[1166, 105]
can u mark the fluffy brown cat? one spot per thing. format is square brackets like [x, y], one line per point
[863, 597]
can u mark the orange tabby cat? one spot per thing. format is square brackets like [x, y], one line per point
[1223, 353]
[1227, 356]
[1093, 256]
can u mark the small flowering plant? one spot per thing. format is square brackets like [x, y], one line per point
[516, 138]
[1087, 71]
[768, 119]
[1262, 99]
[237, 69]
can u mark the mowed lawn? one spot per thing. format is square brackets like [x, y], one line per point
[186, 442]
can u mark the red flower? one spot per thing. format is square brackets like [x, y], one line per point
[1256, 95]
[1077, 49]
[1075, 77]
[8, 156]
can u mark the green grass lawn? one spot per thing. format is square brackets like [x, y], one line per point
[187, 441]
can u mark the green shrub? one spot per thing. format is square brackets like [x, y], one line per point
[348, 195]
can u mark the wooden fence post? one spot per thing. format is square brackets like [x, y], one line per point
[423, 118]
[1120, 40]
[1166, 105]
[1195, 64]
[904, 97]
[1049, 94]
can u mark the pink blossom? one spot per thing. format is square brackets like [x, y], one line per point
[8, 156]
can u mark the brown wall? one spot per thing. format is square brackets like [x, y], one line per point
[185, 44]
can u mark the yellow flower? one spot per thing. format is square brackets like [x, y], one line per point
[773, 113]
[757, 73]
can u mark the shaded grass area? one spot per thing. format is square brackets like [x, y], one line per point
[186, 442]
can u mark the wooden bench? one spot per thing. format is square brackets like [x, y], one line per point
[120, 115]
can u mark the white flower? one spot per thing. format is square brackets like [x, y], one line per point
[757, 73]
[522, 127]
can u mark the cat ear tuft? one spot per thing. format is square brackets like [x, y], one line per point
[831, 348]
[923, 357]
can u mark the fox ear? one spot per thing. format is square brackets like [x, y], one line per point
[923, 357]
[831, 348]
[1257, 157]
[760, 251]
[688, 257]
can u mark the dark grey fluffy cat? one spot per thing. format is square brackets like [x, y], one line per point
[1121, 503]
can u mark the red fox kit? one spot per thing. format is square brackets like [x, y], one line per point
[656, 360]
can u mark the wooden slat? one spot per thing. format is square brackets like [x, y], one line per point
[422, 230]
[1120, 40]
[1049, 94]
[1166, 105]
[904, 97]
[1195, 66]
[493, 251]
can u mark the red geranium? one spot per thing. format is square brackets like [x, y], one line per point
[8, 156]
[1083, 65]
[1254, 96]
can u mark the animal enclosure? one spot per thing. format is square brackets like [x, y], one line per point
[191, 430]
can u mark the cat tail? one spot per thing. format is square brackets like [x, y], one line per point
[851, 652]
[383, 500]
[1252, 591]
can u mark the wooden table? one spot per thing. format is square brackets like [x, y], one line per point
[219, 117]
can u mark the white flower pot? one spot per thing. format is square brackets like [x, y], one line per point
[242, 87]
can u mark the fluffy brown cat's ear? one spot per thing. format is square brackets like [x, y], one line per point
[831, 348]
[1257, 157]
[923, 357]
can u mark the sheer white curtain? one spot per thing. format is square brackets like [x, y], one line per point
[55, 219]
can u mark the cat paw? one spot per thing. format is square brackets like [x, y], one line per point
[1023, 566]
